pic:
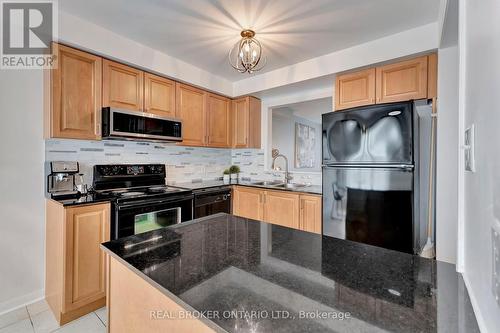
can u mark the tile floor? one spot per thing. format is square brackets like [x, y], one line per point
[37, 318]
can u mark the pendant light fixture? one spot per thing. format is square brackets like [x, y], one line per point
[246, 55]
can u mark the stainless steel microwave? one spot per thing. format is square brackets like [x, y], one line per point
[134, 125]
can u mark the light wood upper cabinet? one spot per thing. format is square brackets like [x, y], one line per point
[191, 109]
[86, 228]
[355, 89]
[122, 86]
[82, 84]
[281, 208]
[159, 95]
[432, 70]
[402, 81]
[310, 213]
[73, 95]
[246, 122]
[75, 282]
[397, 82]
[219, 121]
[248, 203]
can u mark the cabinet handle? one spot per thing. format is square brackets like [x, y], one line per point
[264, 195]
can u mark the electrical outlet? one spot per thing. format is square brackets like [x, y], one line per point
[470, 164]
[495, 241]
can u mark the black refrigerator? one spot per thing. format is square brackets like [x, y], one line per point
[368, 175]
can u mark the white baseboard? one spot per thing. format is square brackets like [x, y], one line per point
[21, 301]
[475, 306]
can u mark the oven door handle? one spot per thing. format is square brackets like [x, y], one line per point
[138, 204]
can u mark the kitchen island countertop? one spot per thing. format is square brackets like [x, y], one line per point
[258, 277]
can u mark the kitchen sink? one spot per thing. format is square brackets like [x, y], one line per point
[290, 186]
[268, 183]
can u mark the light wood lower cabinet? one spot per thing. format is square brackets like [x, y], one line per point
[136, 306]
[281, 208]
[248, 202]
[310, 213]
[288, 209]
[75, 281]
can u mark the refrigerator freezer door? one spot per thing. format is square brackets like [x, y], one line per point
[380, 134]
[371, 206]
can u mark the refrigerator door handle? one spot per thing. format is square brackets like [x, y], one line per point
[370, 166]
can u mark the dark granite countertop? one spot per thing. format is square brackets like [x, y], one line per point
[312, 189]
[295, 281]
[86, 199]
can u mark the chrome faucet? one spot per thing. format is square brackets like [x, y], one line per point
[276, 154]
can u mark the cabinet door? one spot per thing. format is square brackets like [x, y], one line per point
[219, 121]
[355, 89]
[310, 213]
[402, 81]
[241, 118]
[159, 95]
[75, 95]
[432, 72]
[254, 114]
[86, 228]
[191, 109]
[122, 86]
[281, 208]
[247, 202]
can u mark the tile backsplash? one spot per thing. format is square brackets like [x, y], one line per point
[183, 164]
[251, 163]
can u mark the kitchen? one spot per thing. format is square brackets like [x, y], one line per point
[334, 191]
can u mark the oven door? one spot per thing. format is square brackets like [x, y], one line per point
[141, 216]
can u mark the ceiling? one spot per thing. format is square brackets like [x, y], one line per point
[310, 110]
[201, 32]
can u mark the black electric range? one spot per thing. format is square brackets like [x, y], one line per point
[140, 200]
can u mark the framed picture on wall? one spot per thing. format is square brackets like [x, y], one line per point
[305, 142]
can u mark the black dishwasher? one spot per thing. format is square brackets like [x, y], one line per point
[212, 200]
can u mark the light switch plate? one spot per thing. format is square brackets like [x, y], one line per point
[470, 164]
[495, 241]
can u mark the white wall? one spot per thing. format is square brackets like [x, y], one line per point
[284, 139]
[21, 188]
[480, 50]
[447, 156]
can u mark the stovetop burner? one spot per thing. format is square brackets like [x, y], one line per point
[140, 192]
[120, 184]
[129, 194]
